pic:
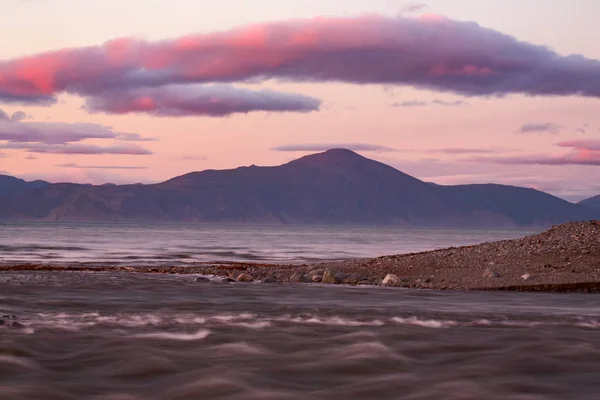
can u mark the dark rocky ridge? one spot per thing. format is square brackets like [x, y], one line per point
[9, 185]
[335, 187]
[591, 202]
[564, 258]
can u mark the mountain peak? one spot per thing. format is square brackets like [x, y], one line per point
[331, 157]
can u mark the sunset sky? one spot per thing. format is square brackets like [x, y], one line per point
[449, 91]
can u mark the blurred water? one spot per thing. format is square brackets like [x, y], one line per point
[154, 337]
[143, 244]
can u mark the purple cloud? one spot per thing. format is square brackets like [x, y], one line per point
[427, 52]
[60, 133]
[328, 146]
[19, 116]
[207, 100]
[73, 165]
[547, 127]
[581, 144]
[436, 102]
[76, 148]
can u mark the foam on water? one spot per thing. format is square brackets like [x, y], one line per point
[201, 334]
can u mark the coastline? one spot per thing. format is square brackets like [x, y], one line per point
[565, 258]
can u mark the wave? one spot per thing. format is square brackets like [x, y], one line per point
[201, 334]
[246, 320]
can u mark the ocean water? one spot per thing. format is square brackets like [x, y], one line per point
[111, 336]
[140, 244]
[153, 337]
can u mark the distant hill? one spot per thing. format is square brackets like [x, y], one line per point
[591, 202]
[11, 185]
[334, 187]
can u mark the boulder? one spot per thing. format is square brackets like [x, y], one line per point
[353, 279]
[331, 278]
[299, 277]
[202, 279]
[270, 280]
[316, 278]
[245, 278]
[391, 280]
[490, 274]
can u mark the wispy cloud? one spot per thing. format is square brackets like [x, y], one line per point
[194, 100]
[461, 150]
[76, 148]
[420, 103]
[328, 146]
[193, 157]
[429, 52]
[574, 158]
[60, 133]
[412, 8]
[73, 165]
[545, 127]
[581, 144]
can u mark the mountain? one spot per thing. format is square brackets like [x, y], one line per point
[334, 187]
[11, 185]
[591, 202]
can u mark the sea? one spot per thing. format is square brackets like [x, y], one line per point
[110, 336]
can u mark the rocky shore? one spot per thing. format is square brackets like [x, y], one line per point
[565, 258]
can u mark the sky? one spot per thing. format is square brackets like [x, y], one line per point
[449, 91]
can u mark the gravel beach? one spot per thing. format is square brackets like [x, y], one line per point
[566, 258]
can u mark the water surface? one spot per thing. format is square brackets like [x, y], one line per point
[133, 336]
[145, 244]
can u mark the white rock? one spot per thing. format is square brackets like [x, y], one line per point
[391, 279]
[527, 277]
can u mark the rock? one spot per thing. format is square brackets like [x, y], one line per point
[329, 277]
[245, 278]
[391, 279]
[202, 279]
[299, 277]
[317, 278]
[527, 277]
[353, 279]
[315, 272]
[270, 280]
[490, 274]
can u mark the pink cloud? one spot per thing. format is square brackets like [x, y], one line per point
[579, 157]
[208, 100]
[76, 148]
[60, 133]
[428, 52]
[73, 165]
[581, 144]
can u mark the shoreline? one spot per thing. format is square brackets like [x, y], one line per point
[565, 258]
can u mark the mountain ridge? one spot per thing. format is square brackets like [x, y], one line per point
[337, 186]
[591, 202]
